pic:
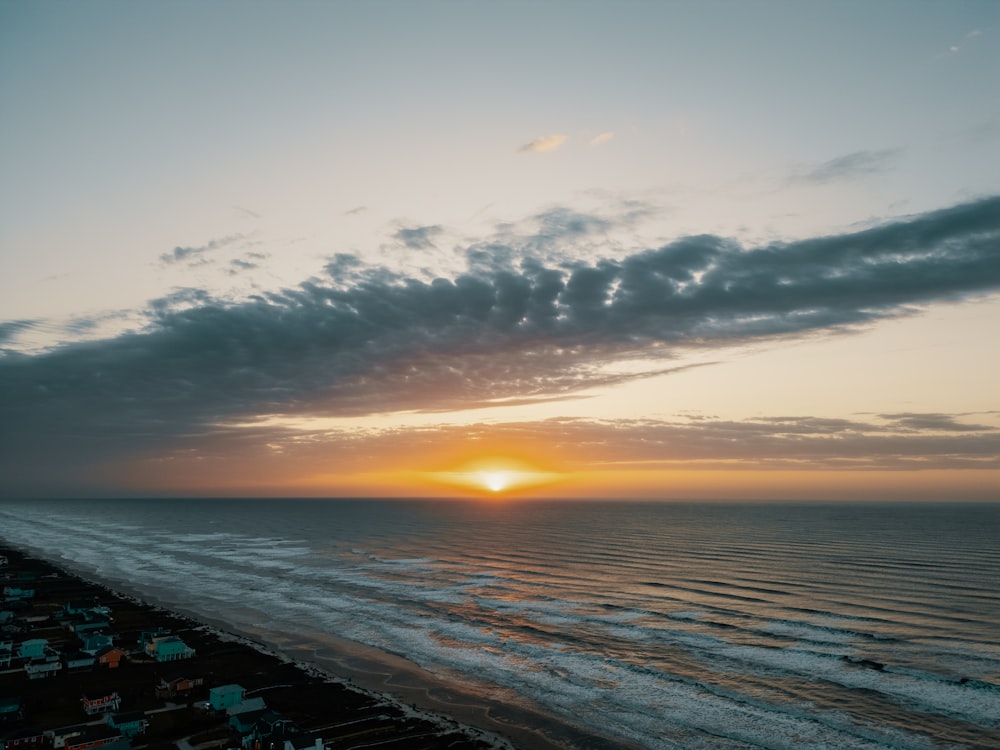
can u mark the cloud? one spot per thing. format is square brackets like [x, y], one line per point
[544, 143]
[256, 451]
[355, 211]
[597, 140]
[850, 166]
[187, 254]
[366, 340]
[11, 329]
[419, 238]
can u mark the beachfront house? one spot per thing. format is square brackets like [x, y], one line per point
[244, 723]
[169, 648]
[130, 724]
[23, 739]
[173, 686]
[94, 643]
[304, 742]
[91, 626]
[16, 593]
[270, 730]
[224, 696]
[37, 669]
[246, 706]
[34, 648]
[110, 657]
[78, 661]
[11, 709]
[105, 738]
[59, 737]
[101, 704]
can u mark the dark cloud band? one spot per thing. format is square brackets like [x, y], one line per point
[373, 341]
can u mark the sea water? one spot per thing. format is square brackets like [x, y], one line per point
[655, 625]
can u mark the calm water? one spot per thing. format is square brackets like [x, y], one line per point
[636, 625]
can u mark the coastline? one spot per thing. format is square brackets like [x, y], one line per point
[353, 673]
[335, 706]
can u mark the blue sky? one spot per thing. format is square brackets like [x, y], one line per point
[165, 167]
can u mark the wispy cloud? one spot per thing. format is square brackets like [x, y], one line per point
[419, 238]
[355, 211]
[544, 143]
[190, 253]
[519, 327]
[849, 166]
[597, 140]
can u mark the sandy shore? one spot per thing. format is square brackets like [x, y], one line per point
[348, 691]
[342, 714]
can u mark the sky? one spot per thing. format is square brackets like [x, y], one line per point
[658, 250]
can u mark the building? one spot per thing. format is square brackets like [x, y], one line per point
[168, 648]
[224, 696]
[105, 738]
[78, 661]
[34, 648]
[101, 704]
[174, 686]
[23, 739]
[11, 709]
[130, 724]
[110, 657]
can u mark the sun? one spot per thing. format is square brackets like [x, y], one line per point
[495, 481]
[494, 476]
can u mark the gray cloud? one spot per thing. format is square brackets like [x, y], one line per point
[187, 254]
[10, 330]
[419, 238]
[850, 166]
[362, 340]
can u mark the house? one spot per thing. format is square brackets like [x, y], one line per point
[23, 739]
[105, 738]
[224, 696]
[78, 661]
[174, 686]
[94, 643]
[169, 648]
[6, 653]
[91, 626]
[304, 742]
[59, 737]
[101, 704]
[11, 709]
[129, 724]
[271, 730]
[247, 705]
[110, 657]
[41, 668]
[15, 592]
[34, 648]
[243, 724]
[82, 609]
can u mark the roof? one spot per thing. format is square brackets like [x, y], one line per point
[226, 688]
[128, 717]
[93, 733]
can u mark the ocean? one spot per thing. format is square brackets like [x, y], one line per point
[590, 624]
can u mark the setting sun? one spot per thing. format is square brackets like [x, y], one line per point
[495, 481]
[495, 476]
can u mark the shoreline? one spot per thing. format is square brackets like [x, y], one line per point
[385, 679]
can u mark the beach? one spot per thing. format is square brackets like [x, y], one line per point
[321, 705]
